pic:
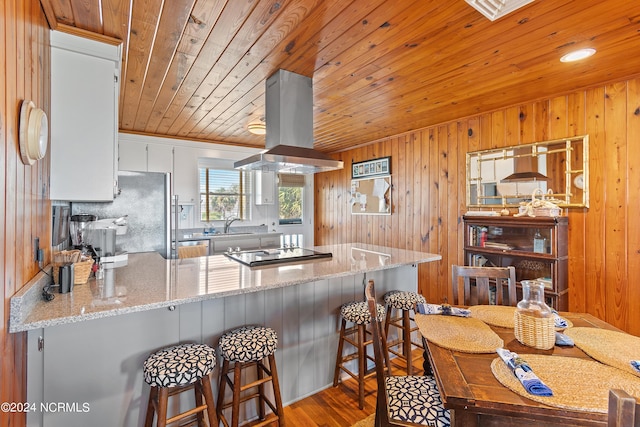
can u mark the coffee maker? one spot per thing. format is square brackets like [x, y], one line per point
[103, 239]
[80, 228]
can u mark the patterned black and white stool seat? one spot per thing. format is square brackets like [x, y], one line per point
[179, 365]
[403, 300]
[358, 312]
[416, 399]
[248, 344]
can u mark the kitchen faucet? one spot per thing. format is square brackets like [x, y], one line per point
[228, 222]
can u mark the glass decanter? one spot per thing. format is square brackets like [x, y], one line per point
[533, 319]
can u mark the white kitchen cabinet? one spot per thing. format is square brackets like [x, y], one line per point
[265, 187]
[271, 241]
[142, 157]
[159, 158]
[185, 176]
[219, 243]
[107, 352]
[84, 103]
[132, 156]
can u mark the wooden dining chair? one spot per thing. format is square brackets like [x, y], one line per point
[401, 400]
[623, 410]
[502, 279]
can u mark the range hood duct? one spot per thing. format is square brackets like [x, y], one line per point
[289, 123]
[525, 167]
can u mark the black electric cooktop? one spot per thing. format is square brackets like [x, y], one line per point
[258, 257]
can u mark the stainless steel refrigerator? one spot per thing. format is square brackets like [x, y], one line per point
[146, 198]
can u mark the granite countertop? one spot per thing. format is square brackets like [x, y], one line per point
[149, 281]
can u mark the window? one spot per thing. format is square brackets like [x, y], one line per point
[290, 188]
[224, 193]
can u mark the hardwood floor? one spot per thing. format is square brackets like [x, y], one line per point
[338, 406]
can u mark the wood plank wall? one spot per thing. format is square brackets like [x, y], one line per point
[428, 194]
[25, 210]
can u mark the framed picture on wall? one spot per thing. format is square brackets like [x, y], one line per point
[381, 166]
[371, 195]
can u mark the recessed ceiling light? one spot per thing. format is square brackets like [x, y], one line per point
[577, 55]
[257, 128]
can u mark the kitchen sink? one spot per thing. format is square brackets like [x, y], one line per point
[214, 235]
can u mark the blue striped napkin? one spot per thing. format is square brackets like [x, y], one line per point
[559, 322]
[445, 309]
[523, 372]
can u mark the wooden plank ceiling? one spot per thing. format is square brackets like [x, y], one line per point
[196, 69]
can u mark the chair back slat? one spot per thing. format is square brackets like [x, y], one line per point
[482, 280]
[623, 410]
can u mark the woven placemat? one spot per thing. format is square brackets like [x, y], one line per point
[498, 315]
[577, 384]
[367, 422]
[613, 348]
[464, 334]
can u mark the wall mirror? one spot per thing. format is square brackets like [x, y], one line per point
[371, 196]
[504, 177]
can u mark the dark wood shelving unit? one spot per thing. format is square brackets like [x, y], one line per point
[535, 246]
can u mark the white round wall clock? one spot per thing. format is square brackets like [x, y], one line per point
[34, 133]
[578, 181]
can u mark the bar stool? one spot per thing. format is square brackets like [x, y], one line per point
[403, 303]
[177, 369]
[245, 347]
[359, 337]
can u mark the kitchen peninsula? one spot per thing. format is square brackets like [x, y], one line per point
[88, 346]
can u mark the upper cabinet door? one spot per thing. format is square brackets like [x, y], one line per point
[265, 187]
[159, 158]
[84, 99]
[132, 156]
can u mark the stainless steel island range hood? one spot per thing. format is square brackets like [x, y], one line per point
[289, 123]
[525, 166]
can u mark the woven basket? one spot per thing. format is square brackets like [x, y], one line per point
[81, 268]
[551, 212]
[536, 332]
[544, 206]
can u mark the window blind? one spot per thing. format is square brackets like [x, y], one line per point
[291, 180]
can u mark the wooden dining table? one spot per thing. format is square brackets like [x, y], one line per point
[476, 398]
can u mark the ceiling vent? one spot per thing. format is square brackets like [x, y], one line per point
[494, 9]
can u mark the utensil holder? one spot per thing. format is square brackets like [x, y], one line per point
[81, 268]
